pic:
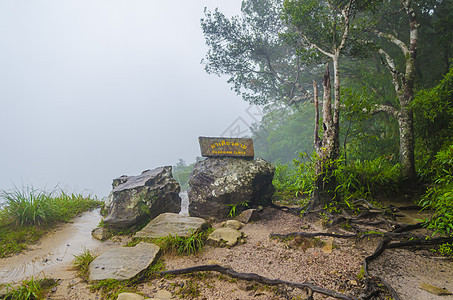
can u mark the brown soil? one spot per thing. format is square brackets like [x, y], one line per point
[338, 270]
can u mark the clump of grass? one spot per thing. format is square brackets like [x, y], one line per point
[82, 263]
[29, 213]
[180, 245]
[29, 206]
[30, 289]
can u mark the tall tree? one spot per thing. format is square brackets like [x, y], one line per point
[403, 82]
[249, 49]
[322, 29]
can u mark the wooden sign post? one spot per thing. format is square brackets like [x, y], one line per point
[226, 147]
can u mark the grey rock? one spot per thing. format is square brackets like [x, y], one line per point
[233, 224]
[147, 195]
[124, 262]
[101, 233]
[218, 184]
[174, 224]
[224, 237]
[248, 215]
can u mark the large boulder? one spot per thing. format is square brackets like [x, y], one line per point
[147, 195]
[219, 184]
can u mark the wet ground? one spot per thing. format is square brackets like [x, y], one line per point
[56, 248]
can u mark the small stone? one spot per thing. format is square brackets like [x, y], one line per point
[163, 294]
[101, 233]
[130, 296]
[353, 282]
[327, 248]
[432, 289]
[224, 236]
[235, 224]
[247, 216]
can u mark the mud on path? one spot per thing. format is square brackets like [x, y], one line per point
[337, 269]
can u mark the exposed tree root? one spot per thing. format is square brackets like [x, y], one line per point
[371, 216]
[310, 288]
[311, 234]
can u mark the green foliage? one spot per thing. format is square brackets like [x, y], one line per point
[30, 289]
[446, 249]
[82, 262]
[29, 213]
[250, 49]
[179, 245]
[433, 109]
[29, 206]
[235, 208]
[439, 197]
[34, 207]
[294, 181]
[111, 288]
[368, 178]
[356, 180]
[189, 290]
[361, 274]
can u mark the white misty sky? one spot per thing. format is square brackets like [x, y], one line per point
[91, 90]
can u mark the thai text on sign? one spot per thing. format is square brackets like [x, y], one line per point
[232, 147]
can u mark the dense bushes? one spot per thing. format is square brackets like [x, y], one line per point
[355, 180]
[439, 196]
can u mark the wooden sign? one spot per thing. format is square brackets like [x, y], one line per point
[226, 147]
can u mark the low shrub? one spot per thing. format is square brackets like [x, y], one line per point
[439, 197]
[294, 181]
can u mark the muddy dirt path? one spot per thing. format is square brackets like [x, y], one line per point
[55, 250]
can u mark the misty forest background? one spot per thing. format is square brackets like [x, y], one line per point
[393, 62]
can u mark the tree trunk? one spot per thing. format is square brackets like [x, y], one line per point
[407, 143]
[326, 149]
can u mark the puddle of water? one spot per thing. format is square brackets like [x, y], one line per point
[184, 203]
[55, 249]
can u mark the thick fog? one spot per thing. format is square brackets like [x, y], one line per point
[91, 90]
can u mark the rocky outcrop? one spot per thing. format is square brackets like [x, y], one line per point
[147, 195]
[124, 262]
[219, 184]
[174, 224]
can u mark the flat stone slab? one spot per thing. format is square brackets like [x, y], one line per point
[174, 224]
[124, 262]
[224, 237]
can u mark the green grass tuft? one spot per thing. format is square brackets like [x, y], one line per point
[82, 263]
[30, 289]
